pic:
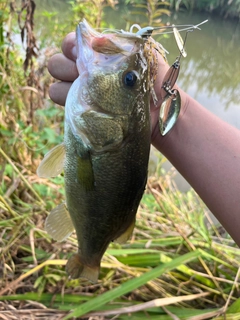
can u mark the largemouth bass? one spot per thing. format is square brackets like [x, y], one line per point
[106, 147]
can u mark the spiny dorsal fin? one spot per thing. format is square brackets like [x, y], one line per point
[52, 163]
[59, 224]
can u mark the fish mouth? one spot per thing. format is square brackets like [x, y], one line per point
[103, 49]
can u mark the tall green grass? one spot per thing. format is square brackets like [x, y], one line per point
[176, 263]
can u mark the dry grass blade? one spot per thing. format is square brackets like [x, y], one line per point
[208, 315]
[173, 316]
[50, 314]
[150, 304]
[235, 284]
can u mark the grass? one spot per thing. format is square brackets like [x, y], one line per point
[176, 264]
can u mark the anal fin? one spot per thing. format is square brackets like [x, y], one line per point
[52, 163]
[126, 235]
[59, 224]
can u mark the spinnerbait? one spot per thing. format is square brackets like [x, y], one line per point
[171, 105]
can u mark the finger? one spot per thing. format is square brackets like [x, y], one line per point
[58, 92]
[69, 46]
[62, 68]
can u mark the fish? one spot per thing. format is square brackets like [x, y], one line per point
[105, 152]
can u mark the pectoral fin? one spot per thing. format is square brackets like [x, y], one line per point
[127, 234]
[85, 173]
[52, 163]
[59, 224]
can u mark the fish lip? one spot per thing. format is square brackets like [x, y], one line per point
[85, 55]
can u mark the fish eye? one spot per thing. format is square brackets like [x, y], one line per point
[130, 78]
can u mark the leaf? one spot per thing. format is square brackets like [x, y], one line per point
[235, 307]
[141, 6]
[160, 12]
[38, 282]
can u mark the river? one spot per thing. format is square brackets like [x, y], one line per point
[211, 71]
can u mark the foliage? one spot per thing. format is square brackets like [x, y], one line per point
[152, 10]
[176, 264]
[92, 10]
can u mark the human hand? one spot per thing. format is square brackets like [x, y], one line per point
[63, 68]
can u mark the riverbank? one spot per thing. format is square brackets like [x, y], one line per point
[225, 9]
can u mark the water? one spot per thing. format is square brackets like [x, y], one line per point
[211, 71]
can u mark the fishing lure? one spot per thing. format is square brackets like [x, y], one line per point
[171, 105]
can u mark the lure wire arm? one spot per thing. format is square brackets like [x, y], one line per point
[173, 72]
[146, 32]
[171, 105]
